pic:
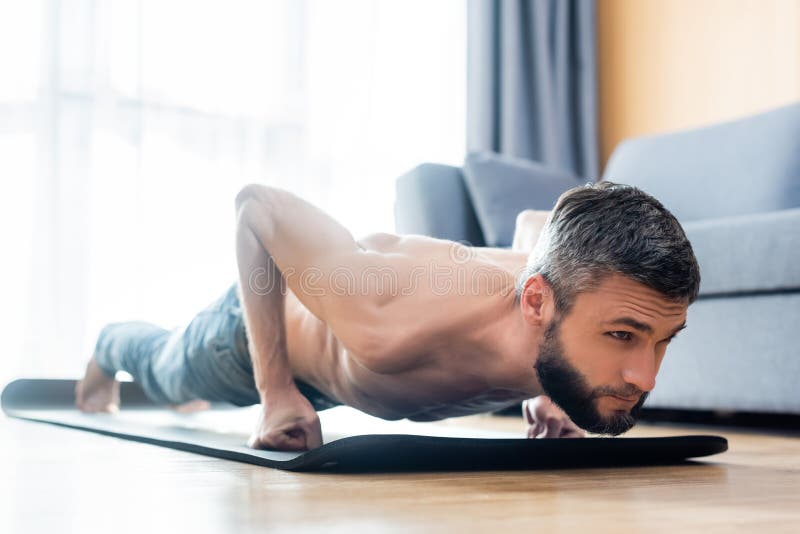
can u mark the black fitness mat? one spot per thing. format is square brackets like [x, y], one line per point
[353, 441]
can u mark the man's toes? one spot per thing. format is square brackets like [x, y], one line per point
[196, 405]
[99, 407]
[86, 407]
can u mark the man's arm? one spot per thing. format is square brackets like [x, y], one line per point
[284, 241]
[318, 259]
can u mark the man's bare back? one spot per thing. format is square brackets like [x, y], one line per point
[448, 329]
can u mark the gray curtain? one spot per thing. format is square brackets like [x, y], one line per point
[532, 81]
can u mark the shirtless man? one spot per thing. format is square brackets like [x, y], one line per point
[422, 328]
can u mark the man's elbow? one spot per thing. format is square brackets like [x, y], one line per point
[529, 226]
[254, 210]
[527, 217]
[254, 193]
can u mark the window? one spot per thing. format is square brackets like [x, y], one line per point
[128, 126]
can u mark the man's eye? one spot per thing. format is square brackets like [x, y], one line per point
[621, 335]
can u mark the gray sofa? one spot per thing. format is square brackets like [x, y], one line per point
[735, 187]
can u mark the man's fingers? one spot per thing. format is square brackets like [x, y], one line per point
[295, 441]
[573, 431]
[541, 407]
[556, 429]
[282, 440]
[534, 429]
[526, 412]
[253, 442]
[313, 440]
[292, 439]
[298, 437]
[574, 434]
[314, 435]
[552, 429]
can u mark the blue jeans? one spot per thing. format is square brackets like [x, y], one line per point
[206, 359]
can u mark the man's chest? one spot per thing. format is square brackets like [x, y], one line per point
[440, 387]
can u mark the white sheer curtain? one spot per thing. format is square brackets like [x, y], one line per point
[127, 127]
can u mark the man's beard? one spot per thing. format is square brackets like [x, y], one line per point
[570, 390]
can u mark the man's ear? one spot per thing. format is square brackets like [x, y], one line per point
[536, 301]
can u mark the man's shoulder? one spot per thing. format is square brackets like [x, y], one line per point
[389, 242]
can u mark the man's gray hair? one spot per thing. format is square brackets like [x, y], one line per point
[606, 228]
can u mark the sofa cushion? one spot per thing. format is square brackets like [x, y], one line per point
[431, 199]
[750, 165]
[502, 186]
[747, 253]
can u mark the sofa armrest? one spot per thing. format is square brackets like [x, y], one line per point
[432, 200]
[757, 253]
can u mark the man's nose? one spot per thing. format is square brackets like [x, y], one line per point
[640, 370]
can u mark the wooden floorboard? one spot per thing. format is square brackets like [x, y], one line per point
[60, 480]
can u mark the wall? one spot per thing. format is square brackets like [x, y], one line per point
[673, 64]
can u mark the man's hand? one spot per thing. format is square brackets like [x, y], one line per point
[287, 422]
[546, 420]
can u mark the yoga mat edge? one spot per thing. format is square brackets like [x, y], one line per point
[52, 400]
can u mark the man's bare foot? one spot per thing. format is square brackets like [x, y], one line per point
[97, 392]
[197, 405]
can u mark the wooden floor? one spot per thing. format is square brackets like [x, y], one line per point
[61, 480]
